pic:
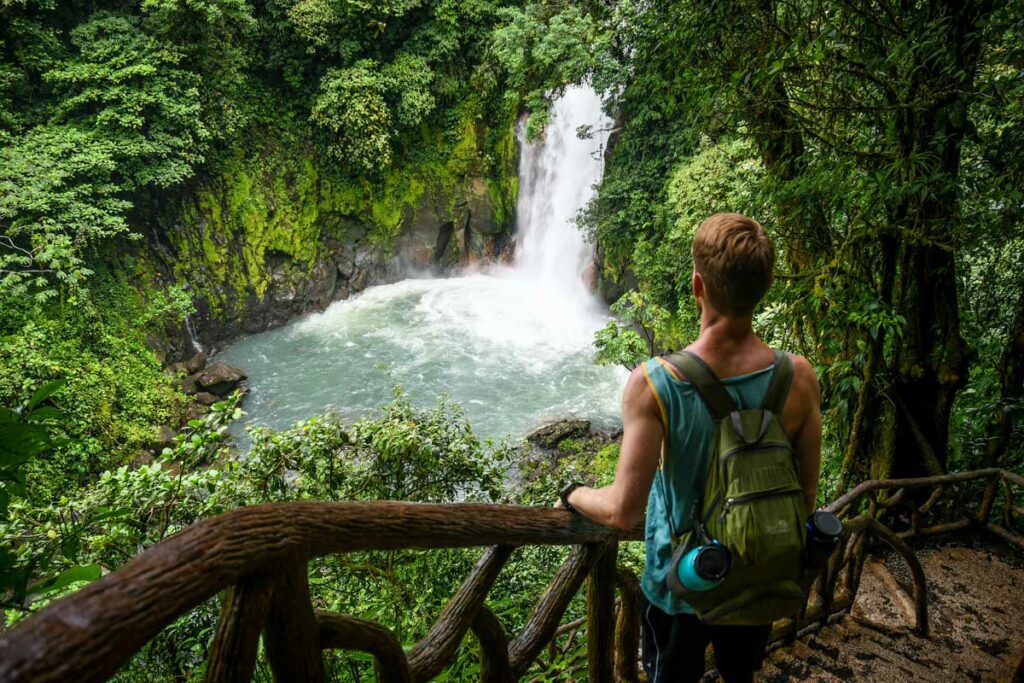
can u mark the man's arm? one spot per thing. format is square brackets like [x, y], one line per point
[807, 439]
[622, 504]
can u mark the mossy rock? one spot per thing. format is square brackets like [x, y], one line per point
[550, 435]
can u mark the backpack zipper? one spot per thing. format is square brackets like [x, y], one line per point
[711, 508]
[751, 497]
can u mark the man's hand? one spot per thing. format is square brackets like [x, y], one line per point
[622, 504]
[561, 504]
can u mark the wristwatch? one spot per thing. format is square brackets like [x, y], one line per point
[564, 495]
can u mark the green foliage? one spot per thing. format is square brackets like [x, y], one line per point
[116, 391]
[129, 86]
[618, 344]
[641, 329]
[544, 46]
[27, 432]
[125, 117]
[406, 454]
[58, 198]
[366, 107]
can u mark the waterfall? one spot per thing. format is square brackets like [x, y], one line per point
[190, 329]
[512, 344]
[557, 174]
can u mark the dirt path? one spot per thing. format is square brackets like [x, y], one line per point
[976, 613]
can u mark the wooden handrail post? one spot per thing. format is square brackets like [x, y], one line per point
[627, 626]
[543, 621]
[601, 616]
[987, 500]
[348, 633]
[232, 657]
[434, 652]
[1008, 500]
[291, 638]
[916, 571]
[494, 664]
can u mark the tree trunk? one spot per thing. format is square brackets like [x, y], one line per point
[930, 364]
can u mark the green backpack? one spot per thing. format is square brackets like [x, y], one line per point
[752, 504]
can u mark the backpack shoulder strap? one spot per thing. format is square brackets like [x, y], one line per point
[782, 380]
[703, 378]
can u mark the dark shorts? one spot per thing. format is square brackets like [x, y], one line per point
[674, 646]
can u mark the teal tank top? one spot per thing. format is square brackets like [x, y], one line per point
[689, 430]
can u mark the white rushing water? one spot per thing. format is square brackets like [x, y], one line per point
[513, 344]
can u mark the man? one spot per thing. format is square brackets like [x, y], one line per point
[732, 260]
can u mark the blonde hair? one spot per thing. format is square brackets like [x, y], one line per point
[735, 258]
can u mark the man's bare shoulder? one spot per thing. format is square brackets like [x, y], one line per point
[804, 395]
[638, 395]
[804, 375]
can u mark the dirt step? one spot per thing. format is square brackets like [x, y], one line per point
[786, 666]
[824, 658]
[770, 673]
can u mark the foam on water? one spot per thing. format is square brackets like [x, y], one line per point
[513, 345]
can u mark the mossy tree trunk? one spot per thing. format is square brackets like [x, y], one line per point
[909, 413]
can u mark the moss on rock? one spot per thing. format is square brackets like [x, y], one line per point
[273, 218]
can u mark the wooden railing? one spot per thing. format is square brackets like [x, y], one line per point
[921, 507]
[258, 556]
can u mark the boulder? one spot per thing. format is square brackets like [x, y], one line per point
[550, 435]
[206, 398]
[190, 383]
[220, 379]
[164, 437]
[196, 363]
[482, 216]
[142, 457]
[175, 368]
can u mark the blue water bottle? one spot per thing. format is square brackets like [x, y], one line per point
[704, 567]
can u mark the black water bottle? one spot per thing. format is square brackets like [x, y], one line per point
[823, 533]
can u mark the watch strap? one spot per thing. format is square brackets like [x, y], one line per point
[563, 495]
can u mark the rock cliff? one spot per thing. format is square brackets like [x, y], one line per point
[278, 233]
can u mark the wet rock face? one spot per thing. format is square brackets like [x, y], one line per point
[274, 234]
[195, 364]
[437, 237]
[220, 379]
[550, 435]
[293, 291]
[164, 437]
[432, 240]
[206, 398]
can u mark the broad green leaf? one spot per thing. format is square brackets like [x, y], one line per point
[44, 392]
[84, 572]
[45, 414]
[18, 442]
